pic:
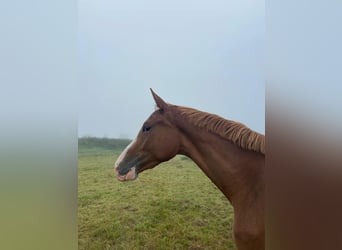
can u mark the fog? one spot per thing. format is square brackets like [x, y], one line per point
[202, 54]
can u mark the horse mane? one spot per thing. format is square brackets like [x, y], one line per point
[235, 132]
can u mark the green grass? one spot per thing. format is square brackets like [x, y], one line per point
[173, 206]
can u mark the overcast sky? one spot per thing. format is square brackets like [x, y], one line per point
[202, 54]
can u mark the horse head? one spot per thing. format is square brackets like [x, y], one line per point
[157, 141]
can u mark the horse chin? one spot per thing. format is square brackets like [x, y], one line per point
[130, 176]
[146, 166]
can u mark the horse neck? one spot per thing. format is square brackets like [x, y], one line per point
[234, 171]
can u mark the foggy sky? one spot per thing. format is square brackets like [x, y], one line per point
[206, 55]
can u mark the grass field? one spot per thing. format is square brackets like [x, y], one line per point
[173, 206]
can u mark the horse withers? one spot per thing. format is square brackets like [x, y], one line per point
[228, 152]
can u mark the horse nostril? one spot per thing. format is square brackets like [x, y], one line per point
[119, 171]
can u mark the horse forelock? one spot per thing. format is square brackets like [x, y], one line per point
[235, 132]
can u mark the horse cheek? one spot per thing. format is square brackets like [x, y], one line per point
[168, 148]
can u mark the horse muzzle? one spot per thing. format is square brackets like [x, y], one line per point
[130, 175]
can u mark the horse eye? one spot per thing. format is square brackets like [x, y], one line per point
[146, 128]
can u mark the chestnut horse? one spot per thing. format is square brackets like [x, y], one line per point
[229, 153]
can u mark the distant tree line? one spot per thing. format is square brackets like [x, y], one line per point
[108, 143]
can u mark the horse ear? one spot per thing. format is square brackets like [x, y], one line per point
[159, 102]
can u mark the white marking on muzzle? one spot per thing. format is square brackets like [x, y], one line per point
[120, 158]
[123, 154]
